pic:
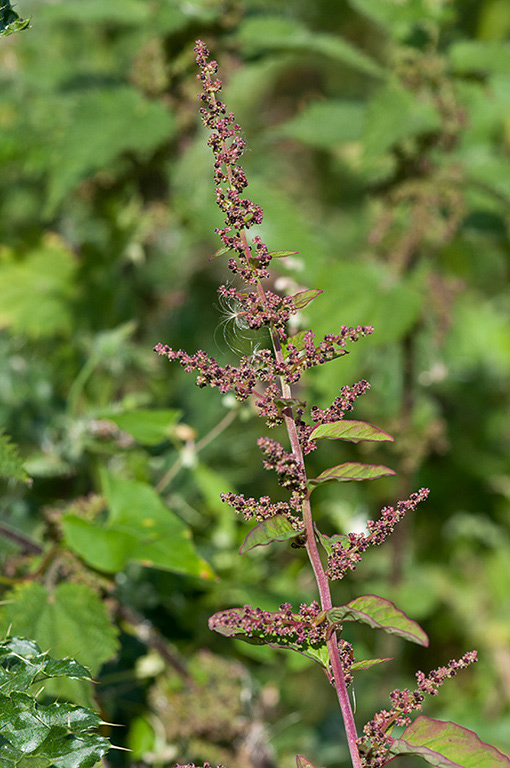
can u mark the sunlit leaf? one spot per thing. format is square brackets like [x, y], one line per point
[380, 613]
[301, 299]
[139, 528]
[350, 430]
[447, 745]
[147, 426]
[276, 528]
[351, 471]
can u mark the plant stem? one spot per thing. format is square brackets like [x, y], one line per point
[313, 553]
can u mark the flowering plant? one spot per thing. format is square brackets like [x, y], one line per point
[268, 376]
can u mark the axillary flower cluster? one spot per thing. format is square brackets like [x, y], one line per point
[268, 377]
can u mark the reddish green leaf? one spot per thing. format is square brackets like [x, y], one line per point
[367, 663]
[380, 613]
[447, 745]
[302, 762]
[352, 470]
[350, 430]
[276, 528]
[301, 299]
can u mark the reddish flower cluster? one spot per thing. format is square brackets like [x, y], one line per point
[290, 472]
[262, 509]
[376, 741]
[346, 554]
[283, 627]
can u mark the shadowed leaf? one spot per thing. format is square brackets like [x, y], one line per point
[276, 528]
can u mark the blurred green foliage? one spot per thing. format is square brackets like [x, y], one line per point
[379, 147]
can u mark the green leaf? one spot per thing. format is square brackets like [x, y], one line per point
[276, 528]
[149, 427]
[121, 12]
[358, 666]
[328, 541]
[262, 33]
[283, 254]
[37, 290]
[140, 528]
[11, 463]
[351, 470]
[325, 124]
[99, 125]
[350, 430]
[393, 115]
[70, 620]
[447, 745]
[301, 299]
[9, 20]
[379, 613]
[480, 56]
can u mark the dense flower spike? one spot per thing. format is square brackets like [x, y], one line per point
[269, 375]
[376, 740]
[346, 555]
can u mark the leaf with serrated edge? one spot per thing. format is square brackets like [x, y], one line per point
[379, 613]
[276, 528]
[301, 299]
[350, 430]
[351, 470]
[447, 745]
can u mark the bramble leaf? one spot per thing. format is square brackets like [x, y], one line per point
[379, 613]
[276, 528]
[301, 299]
[350, 430]
[447, 745]
[351, 470]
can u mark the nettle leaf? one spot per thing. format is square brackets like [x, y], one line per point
[11, 464]
[262, 33]
[301, 299]
[147, 426]
[99, 125]
[139, 528]
[350, 430]
[276, 528]
[71, 620]
[38, 289]
[379, 613]
[367, 663]
[447, 745]
[351, 470]
[480, 56]
[325, 124]
[9, 20]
